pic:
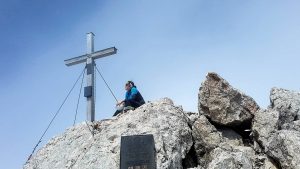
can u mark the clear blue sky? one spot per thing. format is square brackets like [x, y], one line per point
[166, 47]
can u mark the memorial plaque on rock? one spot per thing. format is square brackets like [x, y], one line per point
[137, 152]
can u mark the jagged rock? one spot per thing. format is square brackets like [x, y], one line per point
[231, 137]
[215, 138]
[287, 103]
[223, 104]
[206, 136]
[264, 125]
[232, 157]
[192, 117]
[198, 167]
[257, 148]
[285, 148]
[76, 148]
[281, 145]
[229, 159]
[295, 125]
[264, 162]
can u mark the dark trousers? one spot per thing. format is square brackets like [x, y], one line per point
[131, 103]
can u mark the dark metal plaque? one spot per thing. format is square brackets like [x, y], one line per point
[88, 91]
[137, 152]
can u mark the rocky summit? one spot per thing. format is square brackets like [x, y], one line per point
[229, 131]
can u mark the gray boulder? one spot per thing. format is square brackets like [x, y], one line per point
[206, 136]
[192, 117]
[284, 147]
[231, 137]
[264, 125]
[223, 104]
[77, 148]
[276, 132]
[215, 138]
[237, 158]
[287, 103]
[264, 162]
[295, 125]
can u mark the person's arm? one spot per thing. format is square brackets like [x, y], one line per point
[120, 102]
[123, 101]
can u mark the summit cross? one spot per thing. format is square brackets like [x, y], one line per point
[89, 59]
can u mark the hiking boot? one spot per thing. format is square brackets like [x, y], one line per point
[128, 108]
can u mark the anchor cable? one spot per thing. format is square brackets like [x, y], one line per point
[106, 83]
[57, 112]
[78, 98]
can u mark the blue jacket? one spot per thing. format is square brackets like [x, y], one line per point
[134, 98]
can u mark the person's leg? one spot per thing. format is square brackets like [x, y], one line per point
[117, 112]
[131, 103]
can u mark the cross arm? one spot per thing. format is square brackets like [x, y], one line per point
[94, 55]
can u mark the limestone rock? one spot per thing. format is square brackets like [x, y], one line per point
[231, 137]
[198, 167]
[218, 137]
[76, 148]
[257, 148]
[264, 125]
[281, 145]
[223, 104]
[192, 117]
[295, 125]
[264, 162]
[232, 157]
[285, 148]
[225, 159]
[287, 103]
[206, 136]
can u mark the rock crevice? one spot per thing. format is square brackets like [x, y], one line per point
[229, 131]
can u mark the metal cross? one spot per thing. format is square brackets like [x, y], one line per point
[89, 59]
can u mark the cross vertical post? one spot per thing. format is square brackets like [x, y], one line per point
[90, 86]
[89, 59]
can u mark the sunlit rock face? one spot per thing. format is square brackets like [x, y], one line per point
[223, 104]
[229, 131]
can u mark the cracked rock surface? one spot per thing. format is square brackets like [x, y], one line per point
[229, 131]
[76, 148]
[224, 104]
[277, 129]
[287, 103]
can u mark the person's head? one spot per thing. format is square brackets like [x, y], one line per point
[129, 85]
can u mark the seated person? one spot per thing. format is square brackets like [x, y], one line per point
[133, 98]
